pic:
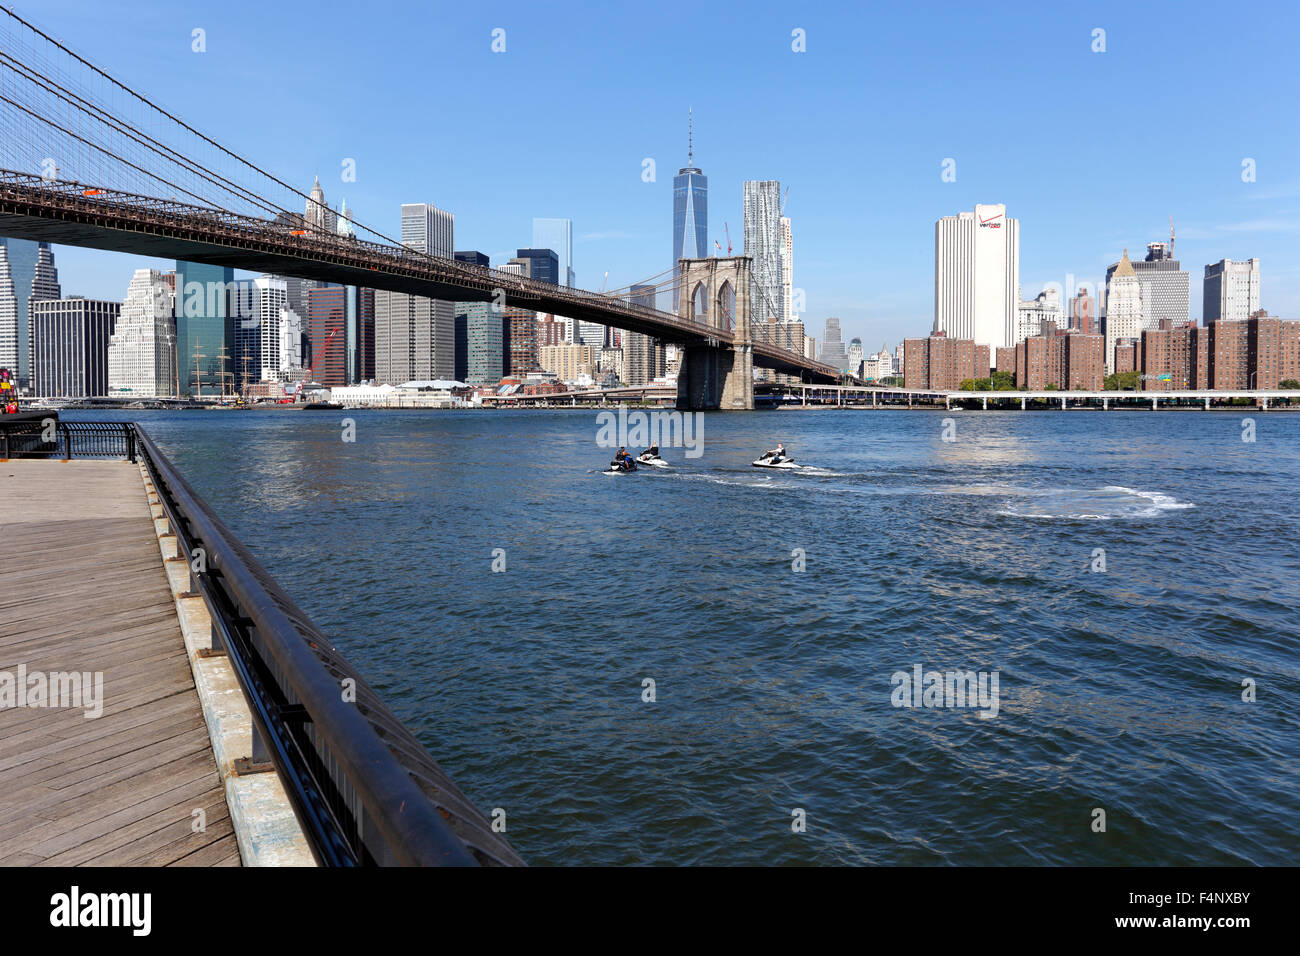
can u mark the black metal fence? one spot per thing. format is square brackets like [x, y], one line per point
[363, 787]
[31, 437]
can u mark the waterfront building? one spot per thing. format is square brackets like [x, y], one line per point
[943, 363]
[267, 336]
[762, 242]
[690, 206]
[484, 343]
[142, 347]
[1168, 358]
[70, 346]
[414, 340]
[1163, 287]
[207, 327]
[1004, 360]
[1128, 357]
[1230, 290]
[1124, 312]
[1060, 359]
[570, 363]
[327, 315]
[977, 275]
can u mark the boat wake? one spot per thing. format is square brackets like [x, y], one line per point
[1104, 504]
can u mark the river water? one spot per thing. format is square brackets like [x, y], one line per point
[1128, 576]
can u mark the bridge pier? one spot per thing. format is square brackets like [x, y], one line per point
[716, 378]
[1022, 403]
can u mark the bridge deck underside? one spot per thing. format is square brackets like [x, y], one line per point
[146, 240]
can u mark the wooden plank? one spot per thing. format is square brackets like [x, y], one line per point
[82, 588]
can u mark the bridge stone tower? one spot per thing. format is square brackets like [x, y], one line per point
[715, 374]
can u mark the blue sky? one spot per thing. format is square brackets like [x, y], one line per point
[1092, 152]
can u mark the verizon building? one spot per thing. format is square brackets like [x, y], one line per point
[977, 276]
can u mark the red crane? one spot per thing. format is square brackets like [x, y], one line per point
[728, 230]
[311, 372]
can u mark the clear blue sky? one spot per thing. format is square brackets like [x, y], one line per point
[1092, 152]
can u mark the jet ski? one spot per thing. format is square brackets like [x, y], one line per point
[776, 461]
[651, 457]
[627, 468]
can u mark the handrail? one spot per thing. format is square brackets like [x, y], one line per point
[363, 788]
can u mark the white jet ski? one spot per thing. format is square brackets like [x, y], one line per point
[651, 457]
[770, 461]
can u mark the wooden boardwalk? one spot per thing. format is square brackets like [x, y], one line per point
[82, 588]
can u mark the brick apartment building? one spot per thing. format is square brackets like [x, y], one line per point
[938, 362]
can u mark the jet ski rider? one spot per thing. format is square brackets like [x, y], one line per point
[777, 454]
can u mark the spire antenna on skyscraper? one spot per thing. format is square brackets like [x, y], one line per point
[690, 136]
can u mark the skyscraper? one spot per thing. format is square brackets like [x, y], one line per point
[318, 213]
[70, 346]
[142, 349]
[8, 315]
[1230, 290]
[326, 315]
[643, 355]
[543, 264]
[977, 275]
[206, 326]
[832, 350]
[556, 235]
[787, 270]
[690, 206]
[1124, 313]
[762, 238]
[417, 339]
[34, 277]
[1164, 287]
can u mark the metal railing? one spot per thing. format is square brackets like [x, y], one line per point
[50, 438]
[363, 787]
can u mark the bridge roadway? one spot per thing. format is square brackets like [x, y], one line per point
[82, 589]
[75, 214]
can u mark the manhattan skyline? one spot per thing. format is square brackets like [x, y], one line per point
[1091, 151]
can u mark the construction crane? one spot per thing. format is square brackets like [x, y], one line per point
[727, 229]
[292, 396]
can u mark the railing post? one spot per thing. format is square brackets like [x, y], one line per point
[130, 442]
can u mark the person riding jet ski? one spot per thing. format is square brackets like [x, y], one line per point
[775, 455]
[623, 460]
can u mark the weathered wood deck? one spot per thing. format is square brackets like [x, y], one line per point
[82, 588]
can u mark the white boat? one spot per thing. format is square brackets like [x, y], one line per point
[651, 457]
[784, 463]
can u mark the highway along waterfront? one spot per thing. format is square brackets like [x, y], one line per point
[671, 666]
